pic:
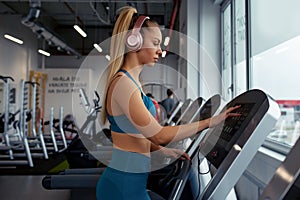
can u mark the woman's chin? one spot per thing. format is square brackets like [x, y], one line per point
[151, 64]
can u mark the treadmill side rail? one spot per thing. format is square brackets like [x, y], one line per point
[284, 177]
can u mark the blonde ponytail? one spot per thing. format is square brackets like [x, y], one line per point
[117, 48]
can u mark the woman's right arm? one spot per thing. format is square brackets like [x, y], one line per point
[129, 101]
[169, 134]
[176, 133]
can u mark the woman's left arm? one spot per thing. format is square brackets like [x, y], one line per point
[170, 152]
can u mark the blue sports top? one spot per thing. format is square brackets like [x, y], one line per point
[121, 123]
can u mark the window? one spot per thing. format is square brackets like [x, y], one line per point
[274, 55]
[275, 41]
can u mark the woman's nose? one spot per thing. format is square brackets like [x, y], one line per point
[159, 51]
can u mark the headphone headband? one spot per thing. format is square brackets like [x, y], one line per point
[139, 23]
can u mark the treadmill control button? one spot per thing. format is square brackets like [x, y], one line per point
[214, 154]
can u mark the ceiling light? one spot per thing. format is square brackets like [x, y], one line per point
[45, 53]
[164, 53]
[107, 57]
[80, 31]
[98, 47]
[16, 40]
[167, 40]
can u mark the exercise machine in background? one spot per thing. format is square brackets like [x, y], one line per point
[177, 113]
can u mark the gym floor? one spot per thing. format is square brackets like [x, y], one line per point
[28, 187]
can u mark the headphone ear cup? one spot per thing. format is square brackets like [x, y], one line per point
[134, 42]
[134, 39]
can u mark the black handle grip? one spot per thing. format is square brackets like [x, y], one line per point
[5, 78]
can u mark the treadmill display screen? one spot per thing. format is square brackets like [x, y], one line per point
[227, 134]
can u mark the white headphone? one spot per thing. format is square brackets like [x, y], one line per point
[134, 39]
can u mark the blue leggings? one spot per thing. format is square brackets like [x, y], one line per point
[118, 185]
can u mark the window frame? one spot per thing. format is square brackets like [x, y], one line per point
[269, 143]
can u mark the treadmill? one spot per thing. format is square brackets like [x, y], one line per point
[230, 147]
[173, 112]
[285, 184]
[191, 112]
[180, 112]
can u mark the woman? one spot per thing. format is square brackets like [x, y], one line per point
[135, 132]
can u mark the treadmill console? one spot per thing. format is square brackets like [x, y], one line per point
[229, 133]
[221, 139]
[230, 146]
